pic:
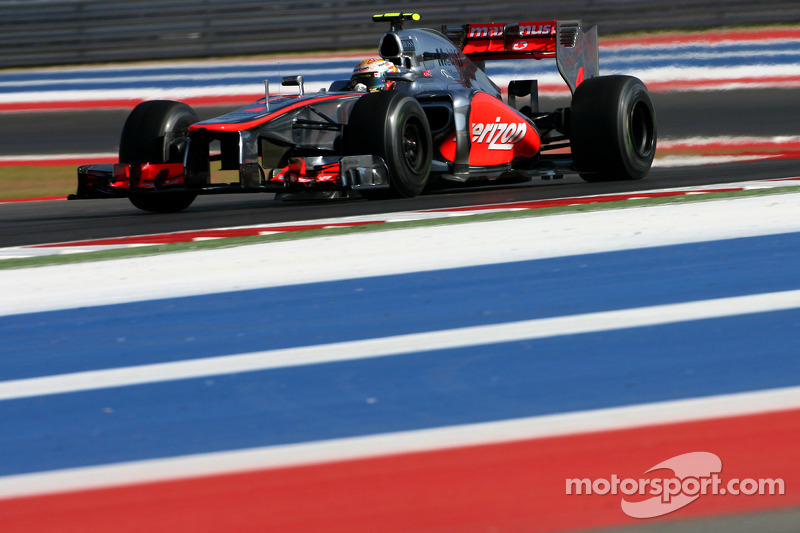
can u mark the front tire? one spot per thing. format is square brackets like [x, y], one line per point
[155, 132]
[163, 202]
[393, 126]
[612, 129]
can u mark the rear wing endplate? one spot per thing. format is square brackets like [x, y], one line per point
[575, 50]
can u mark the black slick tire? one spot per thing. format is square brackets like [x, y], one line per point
[612, 129]
[393, 126]
[152, 134]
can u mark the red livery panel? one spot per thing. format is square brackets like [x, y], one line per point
[498, 134]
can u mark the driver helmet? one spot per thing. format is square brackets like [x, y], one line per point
[369, 75]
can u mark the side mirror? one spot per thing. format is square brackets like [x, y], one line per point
[294, 81]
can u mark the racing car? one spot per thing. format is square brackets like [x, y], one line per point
[444, 122]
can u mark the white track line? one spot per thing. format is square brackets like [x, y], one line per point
[399, 251]
[371, 446]
[400, 344]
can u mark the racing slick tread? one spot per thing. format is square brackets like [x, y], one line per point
[149, 136]
[612, 129]
[402, 139]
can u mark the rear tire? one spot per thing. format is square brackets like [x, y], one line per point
[153, 133]
[393, 126]
[612, 129]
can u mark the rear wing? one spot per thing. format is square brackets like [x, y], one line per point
[575, 50]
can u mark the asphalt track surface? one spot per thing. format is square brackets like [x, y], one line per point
[762, 113]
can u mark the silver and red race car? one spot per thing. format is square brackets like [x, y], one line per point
[443, 123]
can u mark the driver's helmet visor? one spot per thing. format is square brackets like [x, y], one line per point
[371, 80]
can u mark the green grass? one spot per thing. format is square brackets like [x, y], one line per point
[37, 182]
